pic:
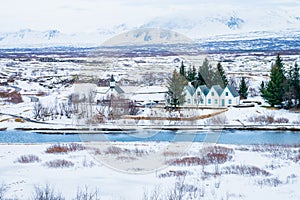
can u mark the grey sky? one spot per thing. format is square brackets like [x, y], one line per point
[88, 15]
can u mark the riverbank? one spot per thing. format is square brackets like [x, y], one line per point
[123, 128]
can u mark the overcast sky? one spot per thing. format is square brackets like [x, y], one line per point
[87, 15]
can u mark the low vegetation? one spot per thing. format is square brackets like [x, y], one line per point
[268, 119]
[3, 189]
[209, 155]
[46, 193]
[245, 170]
[28, 159]
[59, 163]
[65, 148]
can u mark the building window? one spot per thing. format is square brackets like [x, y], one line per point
[226, 94]
[195, 101]
[198, 93]
[216, 101]
[229, 101]
[189, 101]
[212, 94]
[201, 101]
[209, 101]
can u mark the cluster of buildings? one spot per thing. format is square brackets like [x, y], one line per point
[202, 96]
[216, 96]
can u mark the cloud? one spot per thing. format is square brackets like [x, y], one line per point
[88, 15]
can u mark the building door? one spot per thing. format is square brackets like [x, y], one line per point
[223, 102]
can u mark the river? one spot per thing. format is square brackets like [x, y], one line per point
[237, 137]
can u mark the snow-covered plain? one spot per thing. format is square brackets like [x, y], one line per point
[245, 172]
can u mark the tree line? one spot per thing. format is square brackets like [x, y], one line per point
[283, 89]
[207, 75]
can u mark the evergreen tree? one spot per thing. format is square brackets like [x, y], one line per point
[296, 84]
[262, 87]
[176, 84]
[221, 76]
[279, 63]
[191, 74]
[182, 69]
[206, 73]
[274, 91]
[243, 91]
[289, 92]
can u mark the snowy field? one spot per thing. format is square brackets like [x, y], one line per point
[124, 170]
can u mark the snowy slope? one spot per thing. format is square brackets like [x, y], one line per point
[240, 23]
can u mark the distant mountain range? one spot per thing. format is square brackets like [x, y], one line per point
[225, 27]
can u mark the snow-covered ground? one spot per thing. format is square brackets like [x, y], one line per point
[121, 170]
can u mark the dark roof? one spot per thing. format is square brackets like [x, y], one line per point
[233, 91]
[218, 89]
[190, 89]
[119, 90]
[204, 89]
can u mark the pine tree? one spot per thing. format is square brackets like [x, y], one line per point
[296, 84]
[182, 69]
[274, 91]
[191, 74]
[279, 63]
[176, 84]
[243, 91]
[262, 87]
[221, 76]
[289, 93]
[206, 74]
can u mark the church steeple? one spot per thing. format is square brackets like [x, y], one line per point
[112, 82]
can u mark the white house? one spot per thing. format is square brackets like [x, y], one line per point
[213, 96]
[230, 96]
[216, 96]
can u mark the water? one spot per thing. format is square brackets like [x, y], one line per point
[223, 137]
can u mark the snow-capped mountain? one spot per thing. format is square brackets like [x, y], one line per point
[144, 36]
[209, 26]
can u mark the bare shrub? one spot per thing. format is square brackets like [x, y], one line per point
[245, 170]
[155, 194]
[188, 161]
[59, 164]
[172, 173]
[182, 190]
[285, 152]
[126, 158]
[3, 189]
[262, 119]
[46, 193]
[272, 182]
[217, 149]
[86, 194]
[28, 159]
[209, 155]
[281, 120]
[217, 158]
[65, 148]
[217, 120]
[117, 151]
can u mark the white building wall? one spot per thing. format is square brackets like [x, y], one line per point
[212, 98]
